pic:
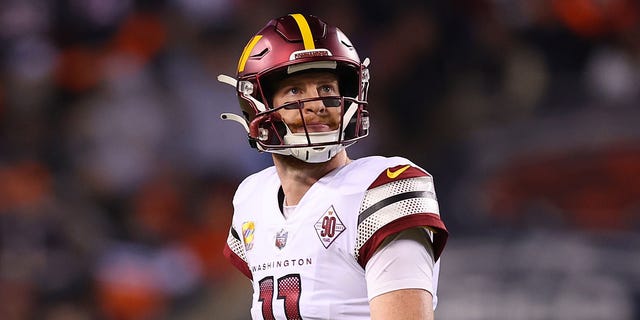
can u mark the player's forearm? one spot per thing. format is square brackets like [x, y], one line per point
[405, 304]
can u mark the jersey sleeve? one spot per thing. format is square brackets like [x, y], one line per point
[234, 252]
[400, 198]
[404, 261]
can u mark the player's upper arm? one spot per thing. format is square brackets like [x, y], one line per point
[405, 304]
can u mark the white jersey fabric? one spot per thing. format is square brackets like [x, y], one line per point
[406, 262]
[312, 265]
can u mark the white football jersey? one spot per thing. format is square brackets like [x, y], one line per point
[311, 265]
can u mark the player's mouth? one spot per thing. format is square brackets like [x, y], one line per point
[317, 127]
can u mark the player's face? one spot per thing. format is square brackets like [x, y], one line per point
[318, 117]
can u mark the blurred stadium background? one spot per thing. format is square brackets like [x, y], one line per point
[116, 173]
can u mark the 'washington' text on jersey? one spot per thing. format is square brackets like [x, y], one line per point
[281, 264]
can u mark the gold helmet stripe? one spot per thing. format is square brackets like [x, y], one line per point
[307, 37]
[247, 50]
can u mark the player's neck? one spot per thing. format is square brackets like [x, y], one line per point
[298, 176]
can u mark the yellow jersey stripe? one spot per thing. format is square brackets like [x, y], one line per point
[247, 50]
[307, 37]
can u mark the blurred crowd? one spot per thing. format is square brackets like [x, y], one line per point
[116, 173]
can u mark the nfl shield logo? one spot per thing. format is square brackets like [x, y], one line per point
[281, 239]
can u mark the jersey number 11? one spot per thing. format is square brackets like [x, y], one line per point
[288, 289]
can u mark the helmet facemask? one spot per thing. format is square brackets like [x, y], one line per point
[265, 127]
[274, 135]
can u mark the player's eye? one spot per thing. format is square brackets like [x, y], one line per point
[293, 90]
[327, 89]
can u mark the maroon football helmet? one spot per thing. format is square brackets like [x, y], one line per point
[287, 45]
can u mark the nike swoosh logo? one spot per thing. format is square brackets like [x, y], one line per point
[395, 174]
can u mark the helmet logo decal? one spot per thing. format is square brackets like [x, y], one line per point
[307, 37]
[247, 50]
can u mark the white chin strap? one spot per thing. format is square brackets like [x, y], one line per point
[316, 154]
[312, 154]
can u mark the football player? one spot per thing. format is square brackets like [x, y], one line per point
[321, 235]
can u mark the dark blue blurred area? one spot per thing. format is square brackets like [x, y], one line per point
[116, 174]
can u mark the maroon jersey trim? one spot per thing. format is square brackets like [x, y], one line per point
[236, 261]
[430, 220]
[388, 175]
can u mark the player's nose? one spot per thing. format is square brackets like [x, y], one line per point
[316, 105]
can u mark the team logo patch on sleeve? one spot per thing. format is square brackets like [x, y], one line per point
[329, 227]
